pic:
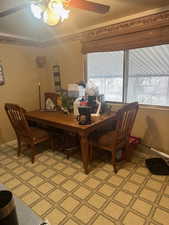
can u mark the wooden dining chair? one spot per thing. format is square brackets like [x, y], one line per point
[68, 141]
[118, 136]
[24, 133]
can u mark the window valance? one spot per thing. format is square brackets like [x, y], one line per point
[147, 31]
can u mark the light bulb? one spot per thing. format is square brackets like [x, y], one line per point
[36, 11]
[50, 18]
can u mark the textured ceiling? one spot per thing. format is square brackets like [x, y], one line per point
[22, 23]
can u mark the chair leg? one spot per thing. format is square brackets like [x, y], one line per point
[114, 161]
[32, 153]
[19, 146]
[67, 155]
[128, 152]
[52, 143]
[90, 152]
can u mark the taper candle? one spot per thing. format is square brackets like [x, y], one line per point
[39, 92]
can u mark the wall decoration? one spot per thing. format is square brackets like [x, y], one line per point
[2, 80]
[56, 77]
[40, 61]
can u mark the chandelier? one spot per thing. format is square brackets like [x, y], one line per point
[50, 11]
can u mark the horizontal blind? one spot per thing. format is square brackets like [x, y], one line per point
[148, 75]
[105, 70]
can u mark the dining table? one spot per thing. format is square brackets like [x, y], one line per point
[68, 122]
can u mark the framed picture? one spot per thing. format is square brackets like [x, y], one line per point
[2, 81]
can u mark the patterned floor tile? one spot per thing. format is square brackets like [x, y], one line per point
[101, 220]
[30, 198]
[20, 190]
[27, 175]
[56, 195]
[85, 214]
[69, 185]
[115, 180]
[58, 179]
[97, 201]
[161, 216]
[41, 207]
[12, 183]
[137, 178]
[113, 210]
[164, 202]
[123, 198]
[92, 183]
[142, 207]
[57, 189]
[106, 190]
[132, 218]
[45, 188]
[48, 173]
[148, 194]
[69, 204]
[154, 185]
[55, 217]
[71, 222]
[131, 187]
[82, 192]
[35, 181]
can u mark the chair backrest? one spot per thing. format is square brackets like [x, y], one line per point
[18, 120]
[125, 120]
[51, 100]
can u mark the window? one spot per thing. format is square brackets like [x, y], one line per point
[106, 71]
[145, 78]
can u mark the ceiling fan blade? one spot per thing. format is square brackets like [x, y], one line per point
[13, 10]
[90, 6]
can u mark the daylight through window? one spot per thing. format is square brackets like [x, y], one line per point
[132, 75]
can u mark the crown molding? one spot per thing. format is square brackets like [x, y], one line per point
[138, 22]
[7, 38]
[151, 20]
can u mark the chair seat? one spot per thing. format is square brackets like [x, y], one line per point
[38, 134]
[106, 140]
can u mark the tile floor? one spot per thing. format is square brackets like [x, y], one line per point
[57, 189]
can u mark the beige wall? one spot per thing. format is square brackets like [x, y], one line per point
[68, 56]
[21, 82]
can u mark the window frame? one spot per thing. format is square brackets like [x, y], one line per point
[125, 82]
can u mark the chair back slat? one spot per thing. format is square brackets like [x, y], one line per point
[125, 120]
[18, 120]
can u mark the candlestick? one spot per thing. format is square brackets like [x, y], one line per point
[39, 92]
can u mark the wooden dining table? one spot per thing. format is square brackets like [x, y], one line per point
[69, 123]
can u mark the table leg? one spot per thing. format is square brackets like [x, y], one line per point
[84, 144]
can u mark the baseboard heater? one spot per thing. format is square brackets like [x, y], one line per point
[157, 151]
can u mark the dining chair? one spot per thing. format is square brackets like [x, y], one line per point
[68, 141]
[116, 137]
[25, 133]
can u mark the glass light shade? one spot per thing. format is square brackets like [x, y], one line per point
[50, 18]
[36, 11]
[61, 11]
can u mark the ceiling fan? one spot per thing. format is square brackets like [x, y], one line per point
[52, 11]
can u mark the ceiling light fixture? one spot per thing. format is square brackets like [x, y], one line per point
[50, 11]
